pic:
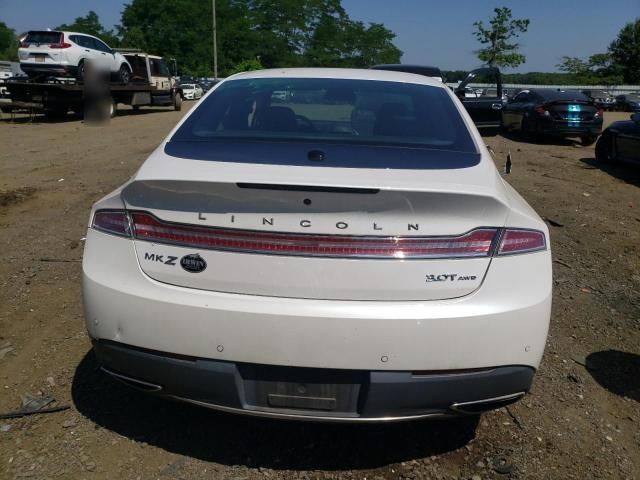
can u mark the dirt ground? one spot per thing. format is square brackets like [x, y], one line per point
[580, 421]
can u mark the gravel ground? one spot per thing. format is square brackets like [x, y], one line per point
[580, 420]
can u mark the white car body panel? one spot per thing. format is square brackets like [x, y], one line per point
[471, 332]
[343, 314]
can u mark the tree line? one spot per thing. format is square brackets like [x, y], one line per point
[256, 34]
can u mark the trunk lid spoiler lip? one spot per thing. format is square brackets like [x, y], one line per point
[164, 171]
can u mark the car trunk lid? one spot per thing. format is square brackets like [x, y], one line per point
[571, 111]
[317, 233]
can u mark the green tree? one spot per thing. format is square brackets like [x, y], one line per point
[279, 33]
[598, 69]
[182, 29]
[246, 66]
[625, 52]
[90, 24]
[8, 43]
[497, 36]
[573, 65]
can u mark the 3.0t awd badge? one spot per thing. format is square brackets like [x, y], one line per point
[193, 263]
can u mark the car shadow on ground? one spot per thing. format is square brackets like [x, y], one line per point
[627, 172]
[541, 139]
[616, 371]
[239, 440]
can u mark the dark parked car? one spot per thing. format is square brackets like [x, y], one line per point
[433, 72]
[563, 113]
[620, 141]
[486, 105]
[628, 102]
[601, 98]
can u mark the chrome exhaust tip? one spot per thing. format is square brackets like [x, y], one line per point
[479, 406]
[133, 382]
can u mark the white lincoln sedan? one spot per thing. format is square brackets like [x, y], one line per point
[345, 251]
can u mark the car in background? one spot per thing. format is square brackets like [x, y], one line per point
[186, 79]
[628, 102]
[353, 258]
[66, 54]
[484, 103]
[601, 98]
[620, 141]
[191, 91]
[564, 113]
[427, 71]
[5, 73]
[206, 85]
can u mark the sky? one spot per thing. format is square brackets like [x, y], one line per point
[430, 32]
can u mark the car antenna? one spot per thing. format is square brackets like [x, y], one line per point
[507, 166]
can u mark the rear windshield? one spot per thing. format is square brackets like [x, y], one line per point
[42, 37]
[334, 110]
[563, 95]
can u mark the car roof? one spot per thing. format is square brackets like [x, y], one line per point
[341, 73]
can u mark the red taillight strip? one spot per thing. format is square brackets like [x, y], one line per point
[521, 241]
[477, 243]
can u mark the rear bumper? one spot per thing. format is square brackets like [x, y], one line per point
[304, 393]
[565, 130]
[48, 68]
[504, 322]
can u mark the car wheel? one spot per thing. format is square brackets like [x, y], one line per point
[604, 148]
[526, 130]
[177, 102]
[80, 71]
[588, 140]
[124, 74]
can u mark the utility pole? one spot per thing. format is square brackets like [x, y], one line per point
[215, 43]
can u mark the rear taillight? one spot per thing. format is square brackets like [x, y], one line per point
[476, 243]
[521, 241]
[599, 113]
[61, 43]
[481, 242]
[112, 221]
[541, 110]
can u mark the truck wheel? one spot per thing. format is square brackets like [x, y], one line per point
[177, 102]
[124, 74]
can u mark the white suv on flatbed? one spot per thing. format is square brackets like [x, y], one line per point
[64, 54]
[345, 252]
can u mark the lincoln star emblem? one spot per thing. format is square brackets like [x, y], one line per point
[193, 263]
